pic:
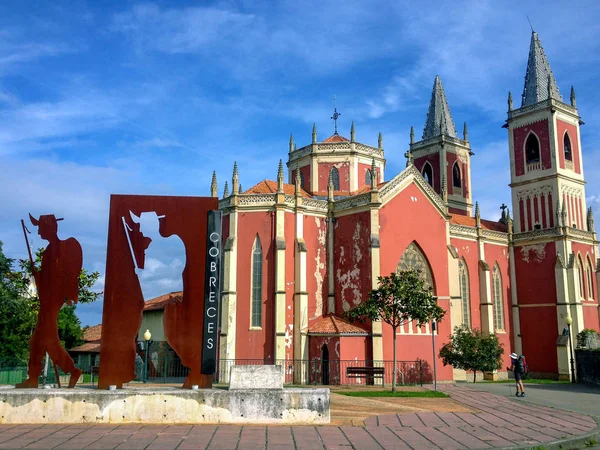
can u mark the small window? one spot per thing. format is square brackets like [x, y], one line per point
[532, 149]
[335, 179]
[456, 178]
[537, 226]
[567, 147]
[368, 177]
[257, 283]
[428, 173]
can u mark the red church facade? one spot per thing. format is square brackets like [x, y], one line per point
[298, 255]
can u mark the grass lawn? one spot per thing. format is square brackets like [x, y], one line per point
[428, 394]
[532, 381]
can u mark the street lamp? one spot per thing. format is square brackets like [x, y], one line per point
[148, 339]
[433, 324]
[569, 321]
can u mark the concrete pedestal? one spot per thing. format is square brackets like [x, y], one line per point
[165, 405]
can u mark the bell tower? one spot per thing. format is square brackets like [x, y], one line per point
[553, 245]
[441, 156]
[545, 152]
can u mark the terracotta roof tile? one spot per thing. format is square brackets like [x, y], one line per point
[485, 224]
[270, 187]
[162, 301]
[336, 138]
[331, 324]
[92, 334]
[92, 347]
[364, 189]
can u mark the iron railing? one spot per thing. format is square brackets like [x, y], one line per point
[170, 370]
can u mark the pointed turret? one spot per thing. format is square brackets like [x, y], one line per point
[241, 190]
[444, 188]
[235, 182]
[439, 120]
[539, 80]
[573, 98]
[330, 187]
[280, 177]
[380, 141]
[373, 175]
[465, 133]
[314, 133]
[590, 220]
[477, 216]
[298, 182]
[510, 101]
[226, 190]
[412, 134]
[213, 185]
[352, 133]
[292, 145]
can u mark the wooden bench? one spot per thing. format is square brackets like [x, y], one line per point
[370, 373]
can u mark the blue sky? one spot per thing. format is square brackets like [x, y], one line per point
[149, 98]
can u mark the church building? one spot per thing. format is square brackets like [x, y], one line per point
[297, 255]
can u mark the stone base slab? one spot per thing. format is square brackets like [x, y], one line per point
[165, 405]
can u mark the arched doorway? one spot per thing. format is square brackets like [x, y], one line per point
[324, 364]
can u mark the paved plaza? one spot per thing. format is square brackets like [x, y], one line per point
[497, 421]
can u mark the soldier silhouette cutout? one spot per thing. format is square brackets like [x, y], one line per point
[57, 282]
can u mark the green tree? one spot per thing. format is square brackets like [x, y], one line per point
[19, 306]
[470, 349]
[401, 298]
[17, 316]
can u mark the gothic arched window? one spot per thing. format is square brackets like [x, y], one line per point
[567, 147]
[456, 178]
[590, 281]
[368, 177]
[581, 277]
[498, 299]
[335, 179]
[257, 283]
[465, 300]
[532, 149]
[428, 173]
[413, 258]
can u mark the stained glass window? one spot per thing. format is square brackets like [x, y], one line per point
[413, 258]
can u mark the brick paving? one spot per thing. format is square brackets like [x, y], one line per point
[498, 422]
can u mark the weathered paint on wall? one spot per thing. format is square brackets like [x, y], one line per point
[343, 168]
[315, 236]
[352, 260]
[409, 217]
[255, 343]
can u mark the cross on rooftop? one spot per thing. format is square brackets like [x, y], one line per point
[335, 116]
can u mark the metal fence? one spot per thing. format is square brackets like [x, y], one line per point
[170, 370]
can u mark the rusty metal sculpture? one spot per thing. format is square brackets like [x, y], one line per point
[56, 282]
[185, 217]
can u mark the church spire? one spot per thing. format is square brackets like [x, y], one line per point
[280, 177]
[539, 80]
[573, 98]
[213, 185]
[439, 120]
[314, 133]
[226, 190]
[235, 179]
[292, 145]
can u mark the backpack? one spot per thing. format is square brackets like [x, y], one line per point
[521, 365]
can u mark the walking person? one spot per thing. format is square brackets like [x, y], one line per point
[518, 368]
[57, 282]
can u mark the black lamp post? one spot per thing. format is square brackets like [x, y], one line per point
[148, 339]
[433, 326]
[569, 321]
